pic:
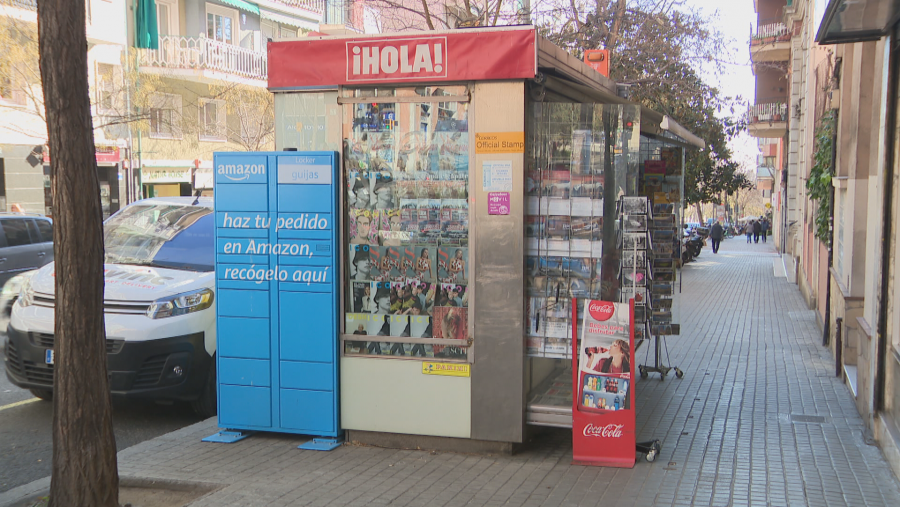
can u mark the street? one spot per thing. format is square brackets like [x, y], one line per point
[26, 440]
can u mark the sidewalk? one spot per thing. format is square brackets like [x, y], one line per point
[733, 428]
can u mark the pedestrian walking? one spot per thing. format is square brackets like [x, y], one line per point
[765, 229]
[716, 233]
[757, 229]
[748, 230]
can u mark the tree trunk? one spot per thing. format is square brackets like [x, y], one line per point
[699, 213]
[84, 447]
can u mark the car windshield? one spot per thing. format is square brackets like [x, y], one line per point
[161, 235]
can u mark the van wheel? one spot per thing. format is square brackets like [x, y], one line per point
[44, 394]
[205, 406]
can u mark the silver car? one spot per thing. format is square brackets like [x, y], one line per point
[26, 243]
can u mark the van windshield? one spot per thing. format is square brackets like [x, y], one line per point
[161, 235]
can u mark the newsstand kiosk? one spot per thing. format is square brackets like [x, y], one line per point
[480, 176]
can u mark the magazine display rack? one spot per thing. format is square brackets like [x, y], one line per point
[662, 186]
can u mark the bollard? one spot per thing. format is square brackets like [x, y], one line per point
[838, 346]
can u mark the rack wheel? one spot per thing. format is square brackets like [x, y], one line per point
[644, 373]
[679, 373]
[651, 456]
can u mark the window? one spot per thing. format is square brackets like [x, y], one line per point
[167, 17]
[288, 32]
[46, 230]
[212, 120]
[16, 230]
[107, 77]
[165, 116]
[11, 90]
[221, 23]
[407, 178]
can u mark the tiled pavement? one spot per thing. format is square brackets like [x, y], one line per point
[749, 350]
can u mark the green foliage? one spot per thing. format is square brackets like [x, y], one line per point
[818, 186]
[657, 50]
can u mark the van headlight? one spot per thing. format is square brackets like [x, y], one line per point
[181, 304]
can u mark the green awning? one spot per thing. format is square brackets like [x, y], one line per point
[146, 34]
[242, 5]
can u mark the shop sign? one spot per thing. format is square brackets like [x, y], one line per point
[446, 369]
[498, 203]
[499, 142]
[168, 176]
[603, 415]
[451, 56]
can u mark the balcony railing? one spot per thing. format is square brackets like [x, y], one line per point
[771, 32]
[771, 112]
[317, 6]
[201, 53]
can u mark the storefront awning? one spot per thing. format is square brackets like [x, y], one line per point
[847, 21]
[242, 5]
[287, 20]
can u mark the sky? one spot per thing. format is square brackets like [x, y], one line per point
[735, 18]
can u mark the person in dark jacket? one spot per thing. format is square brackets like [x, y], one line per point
[765, 229]
[716, 233]
[757, 229]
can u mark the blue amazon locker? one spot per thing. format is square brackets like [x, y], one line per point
[277, 294]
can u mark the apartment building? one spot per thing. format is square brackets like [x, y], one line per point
[24, 158]
[201, 84]
[841, 67]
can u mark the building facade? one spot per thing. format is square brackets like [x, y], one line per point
[843, 100]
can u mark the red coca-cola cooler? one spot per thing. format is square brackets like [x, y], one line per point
[603, 412]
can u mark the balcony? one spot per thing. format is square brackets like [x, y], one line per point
[770, 43]
[205, 60]
[316, 6]
[767, 120]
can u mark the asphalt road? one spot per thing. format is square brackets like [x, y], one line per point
[26, 441]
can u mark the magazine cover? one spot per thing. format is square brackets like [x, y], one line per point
[634, 277]
[363, 298]
[429, 219]
[360, 264]
[454, 150]
[453, 265]
[360, 191]
[400, 326]
[391, 264]
[454, 226]
[383, 190]
[419, 262]
[589, 228]
[639, 294]
[587, 186]
[409, 224]
[451, 323]
[360, 227]
[451, 294]
[390, 228]
[558, 227]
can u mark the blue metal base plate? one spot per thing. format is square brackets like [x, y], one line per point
[228, 436]
[322, 444]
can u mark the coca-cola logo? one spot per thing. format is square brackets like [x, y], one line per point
[601, 310]
[608, 431]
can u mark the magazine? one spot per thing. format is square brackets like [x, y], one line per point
[391, 264]
[361, 228]
[454, 226]
[451, 294]
[360, 264]
[453, 265]
[418, 263]
[586, 228]
[429, 221]
[634, 205]
[451, 323]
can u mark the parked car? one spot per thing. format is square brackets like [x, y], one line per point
[26, 243]
[159, 308]
[8, 296]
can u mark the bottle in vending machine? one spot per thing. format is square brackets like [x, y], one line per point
[616, 403]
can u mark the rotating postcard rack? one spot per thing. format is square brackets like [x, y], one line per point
[647, 274]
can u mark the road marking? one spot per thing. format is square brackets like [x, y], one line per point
[19, 403]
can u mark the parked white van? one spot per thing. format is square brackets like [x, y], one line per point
[159, 307]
